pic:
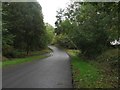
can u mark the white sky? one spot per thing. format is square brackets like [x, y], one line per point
[49, 8]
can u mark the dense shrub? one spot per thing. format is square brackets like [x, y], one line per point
[64, 41]
[111, 57]
[12, 53]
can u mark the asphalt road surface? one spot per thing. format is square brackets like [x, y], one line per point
[51, 72]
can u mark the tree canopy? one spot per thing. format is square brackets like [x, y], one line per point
[90, 26]
[23, 27]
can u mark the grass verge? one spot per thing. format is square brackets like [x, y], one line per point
[34, 56]
[85, 74]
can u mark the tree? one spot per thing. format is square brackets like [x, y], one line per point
[25, 22]
[90, 26]
[50, 32]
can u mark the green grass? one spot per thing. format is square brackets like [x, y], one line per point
[21, 60]
[85, 75]
[34, 56]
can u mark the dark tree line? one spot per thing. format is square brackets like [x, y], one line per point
[23, 28]
[89, 26]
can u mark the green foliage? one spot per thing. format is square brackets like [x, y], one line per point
[110, 57]
[50, 33]
[7, 42]
[22, 60]
[89, 74]
[64, 41]
[23, 28]
[17, 54]
[90, 26]
[36, 55]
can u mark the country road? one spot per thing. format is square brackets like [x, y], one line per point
[51, 72]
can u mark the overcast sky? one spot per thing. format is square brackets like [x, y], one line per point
[49, 8]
